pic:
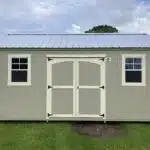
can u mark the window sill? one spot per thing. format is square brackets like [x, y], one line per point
[133, 84]
[19, 84]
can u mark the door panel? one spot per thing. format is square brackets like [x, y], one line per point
[62, 73]
[62, 101]
[89, 101]
[89, 73]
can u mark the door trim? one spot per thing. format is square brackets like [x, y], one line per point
[48, 95]
[72, 57]
[103, 93]
[76, 55]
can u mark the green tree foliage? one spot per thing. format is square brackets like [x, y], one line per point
[102, 29]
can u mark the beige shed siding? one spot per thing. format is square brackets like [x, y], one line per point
[23, 102]
[123, 103]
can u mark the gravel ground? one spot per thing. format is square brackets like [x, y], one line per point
[100, 130]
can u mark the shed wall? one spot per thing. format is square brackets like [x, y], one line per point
[23, 102]
[126, 103]
[123, 103]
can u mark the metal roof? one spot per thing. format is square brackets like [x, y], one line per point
[86, 40]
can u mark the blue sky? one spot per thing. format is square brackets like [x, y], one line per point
[73, 16]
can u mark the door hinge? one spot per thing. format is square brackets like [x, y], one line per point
[102, 87]
[49, 86]
[49, 114]
[103, 58]
[49, 59]
[102, 115]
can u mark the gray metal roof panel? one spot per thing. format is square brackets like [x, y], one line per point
[74, 40]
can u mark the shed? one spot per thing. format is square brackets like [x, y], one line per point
[75, 77]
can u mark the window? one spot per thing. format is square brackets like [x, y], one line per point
[133, 69]
[19, 69]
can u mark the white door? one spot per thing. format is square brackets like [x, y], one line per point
[90, 88]
[60, 87]
[76, 87]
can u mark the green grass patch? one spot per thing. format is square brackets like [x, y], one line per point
[59, 136]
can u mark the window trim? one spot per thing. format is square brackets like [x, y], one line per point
[142, 56]
[28, 83]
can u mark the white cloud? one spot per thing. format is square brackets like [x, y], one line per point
[75, 29]
[41, 10]
[109, 12]
[73, 16]
[26, 10]
[140, 21]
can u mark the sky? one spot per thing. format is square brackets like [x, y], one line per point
[73, 16]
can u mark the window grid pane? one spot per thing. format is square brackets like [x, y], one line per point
[137, 60]
[133, 70]
[135, 65]
[19, 64]
[129, 66]
[23, 66]
[15, 66]
[23, 60]
[15, 60]
[19, 76]
[19, 69]
[129, 60]
[133, 76]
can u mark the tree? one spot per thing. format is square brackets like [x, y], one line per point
[102, 29]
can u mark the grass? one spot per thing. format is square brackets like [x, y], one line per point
[59, 136]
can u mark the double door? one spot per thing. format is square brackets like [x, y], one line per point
[76, 87]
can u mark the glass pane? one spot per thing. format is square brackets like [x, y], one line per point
[15, 66]
[137, 60]
[137, 66]
[133, 76]
[129, 60]
[19, 76]
[129, 66]
[15, 60]
[23, 60]
[23, 66]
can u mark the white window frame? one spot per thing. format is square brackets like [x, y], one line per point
[142, 56]
[28, 83]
